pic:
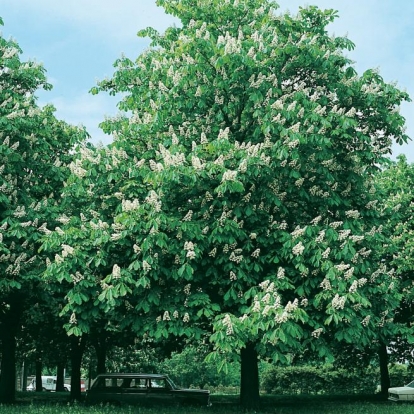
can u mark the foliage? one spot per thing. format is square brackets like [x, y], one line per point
[397, 183]
[315, 380]
[326, 379]
[238, 195]
[189, 369]
[35, 150]
[34, 157]
[89, 256]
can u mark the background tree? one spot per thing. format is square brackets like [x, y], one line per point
[34, 153]
[88, 256]
[247, 191]
[43, 343]
[396, 182]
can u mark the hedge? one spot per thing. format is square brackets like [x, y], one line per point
[327, 379]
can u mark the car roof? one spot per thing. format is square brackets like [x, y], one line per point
[130, 375]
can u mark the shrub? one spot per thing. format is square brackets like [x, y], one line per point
[320, 380]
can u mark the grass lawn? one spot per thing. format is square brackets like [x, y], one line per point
[56, 403]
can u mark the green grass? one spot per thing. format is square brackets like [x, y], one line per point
[52, 403]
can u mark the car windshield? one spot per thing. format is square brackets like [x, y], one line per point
[173, 386]
[411, 384]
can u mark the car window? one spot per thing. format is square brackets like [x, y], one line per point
[159, 383]
[126, 383]
[103, 382]
[140, 383]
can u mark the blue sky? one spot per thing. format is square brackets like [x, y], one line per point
[78, 41]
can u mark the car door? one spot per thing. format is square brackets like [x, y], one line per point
[160, 391]
[134, 390]
[105, 390]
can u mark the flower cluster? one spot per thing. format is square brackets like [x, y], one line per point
[228, 324]
[128, 205]
[298, 232]
[320, 237]
[298, 249]
[317, 332]
[188, 216]
[348, 274]
[366, 320]
[235, 258]
[231, 44]
[354, 287]
[189, 247]
[146, 266]
[213, 252]
[116, 272]
[352, 214]
[67, 250]
[256, 253]
[338, 302]
[73, 320]
[77, 277]
[325, 284]
[342, 267]
[325, 254]
[229, 176]
[154, 200]
[280, 273]
[76, 169]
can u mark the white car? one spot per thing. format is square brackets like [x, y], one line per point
[405, 393]
[48, 384]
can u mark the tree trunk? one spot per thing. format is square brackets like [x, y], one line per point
[8, 367]
[385, 375]
[38, 373]
[100, 349]
[24, 375]
[60, 380]
[76, 353]
[249, 381]
[8, 331]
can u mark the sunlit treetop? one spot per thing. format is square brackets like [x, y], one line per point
[246, 187]
[34, 153]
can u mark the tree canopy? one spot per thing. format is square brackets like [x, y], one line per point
[34, 155]
[239, 188]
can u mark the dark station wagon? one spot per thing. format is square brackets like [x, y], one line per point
[142, 389]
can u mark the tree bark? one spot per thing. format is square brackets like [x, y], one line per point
[385, 375]
[249, 381]
[76, 353]
[100, 349]
[9, 327]
[38, 373]
[24, 375]
[60, 380]
[8, 368]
